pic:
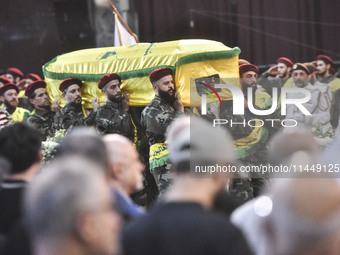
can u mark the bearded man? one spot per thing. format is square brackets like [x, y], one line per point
[156, 117]
[73, 114]
[42, 117]
[113, 116]
[9, 95]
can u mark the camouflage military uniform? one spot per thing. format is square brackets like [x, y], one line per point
[72, 116]
[111, 118]
[156, 117]
[333, 82]
[244, 189]
[42, 121]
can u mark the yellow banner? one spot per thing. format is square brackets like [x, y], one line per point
[187, 58]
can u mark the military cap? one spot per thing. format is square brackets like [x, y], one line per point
[8, 86]
[107, 78]
[310, 67]
[159, 73]
[68, 82]
[326, 59]
[15, 71]
[4, 80]
[299, 66]
[33, 86]
[33, 77]
[285, 61]
[247, 68]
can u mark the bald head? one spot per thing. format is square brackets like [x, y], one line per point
[284, 145]
[125, 170]
[118, 147]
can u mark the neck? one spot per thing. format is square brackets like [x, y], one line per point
[66, 247]
[10, 109]
[186, 189]
[117, 185]
[28, 175]
[325, 74]
[42, 109]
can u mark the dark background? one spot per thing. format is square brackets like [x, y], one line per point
[33, 32]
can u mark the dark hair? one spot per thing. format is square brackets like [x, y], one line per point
[20, 145]
[32, 96]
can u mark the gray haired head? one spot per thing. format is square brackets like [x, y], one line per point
[84, 142]
[192, 139]
[59, 194]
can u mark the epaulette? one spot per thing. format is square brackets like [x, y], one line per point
[155, 103]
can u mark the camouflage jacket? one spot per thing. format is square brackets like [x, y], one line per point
[72, 116]
[111, 118]
[156, 117]
[42, 121]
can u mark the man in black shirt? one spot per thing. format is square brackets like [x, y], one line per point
[183, 222]
[20, 146]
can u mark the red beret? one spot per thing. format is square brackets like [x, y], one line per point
[15, 71]
[107, 78]
[8, 86]
[4, 80]
[285, 61]
[68, 82]
[159, 73]
[247, 68]
[33, 86]
[326, 59]
[299, 66]
[33, 77]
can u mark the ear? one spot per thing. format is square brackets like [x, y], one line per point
[115, 170]
[289, 69]
[2, 98]
[83, 227]
[104, 91]
[32, 101]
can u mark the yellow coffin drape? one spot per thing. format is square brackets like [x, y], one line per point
[187, 58]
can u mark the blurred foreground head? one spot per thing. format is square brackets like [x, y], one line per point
[68, 210]
[85, 142]
[196, 150]
[125, 169]
[296, 144]
[20, 145]
[305, 217]
[194, 141]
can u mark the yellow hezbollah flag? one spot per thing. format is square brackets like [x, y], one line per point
[189, 59]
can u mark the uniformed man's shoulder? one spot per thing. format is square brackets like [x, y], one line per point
[34, 116]
[155, 103]
[20, 109]
[108, 105]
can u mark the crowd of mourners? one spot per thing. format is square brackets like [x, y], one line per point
[121, 179]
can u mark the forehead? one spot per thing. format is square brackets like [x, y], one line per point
[10, 91]
[166, 78]
[39, 91]
[301, 72]
[281, 65]
[113, 82]
[320, 62]
[249, 73]
[73, 86]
